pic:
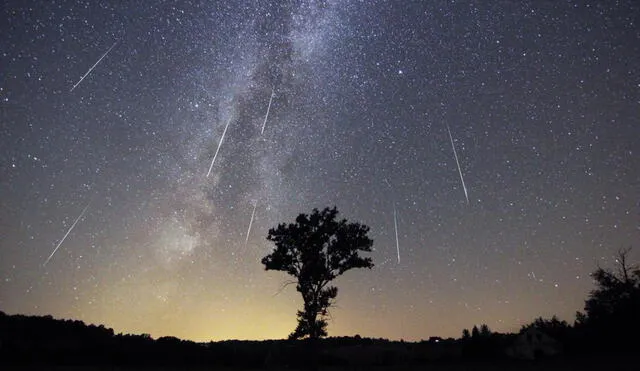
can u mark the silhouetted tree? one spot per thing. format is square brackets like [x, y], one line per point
[315, 250]
[552, 327]
[581, 319]
[475, 333]
[556, 329]
[611, 311]
[616, 289]
[466, 334]
[484, 330]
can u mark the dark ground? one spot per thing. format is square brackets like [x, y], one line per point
[599, 363]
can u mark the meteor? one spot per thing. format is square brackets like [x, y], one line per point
[266, 116]
[395, 224]
[246, 240]
[66, 234]
[455, 154]
[94, 66]
[219, 145]
[395, 220]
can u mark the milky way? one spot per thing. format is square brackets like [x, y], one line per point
[299, 104]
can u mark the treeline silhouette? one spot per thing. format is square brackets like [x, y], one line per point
[607, 328]
[609, 324]
[38, 341]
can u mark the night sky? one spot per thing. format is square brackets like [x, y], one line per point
[542, 100]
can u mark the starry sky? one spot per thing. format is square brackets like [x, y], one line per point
[112, 112]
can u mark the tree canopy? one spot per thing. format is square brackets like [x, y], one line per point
[616, 300]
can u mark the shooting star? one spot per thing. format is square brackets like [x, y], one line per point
[66, 234]
[266, 116]
[455, 154]
[219, 145]
[246, 240]
[395, 224]
[94, 66]
[395, 221]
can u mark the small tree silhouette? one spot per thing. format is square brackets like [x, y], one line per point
[475, 333]
[484, 330]
[466, 334]
[612, 308]
[315, 250]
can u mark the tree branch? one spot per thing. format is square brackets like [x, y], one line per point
[284, 285]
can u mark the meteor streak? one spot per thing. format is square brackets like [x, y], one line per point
[66, 234]
[395, 224]
[250, 223]
[455, 154]
[94, 66]
[395, 221]
[266, 116]
[219, 145]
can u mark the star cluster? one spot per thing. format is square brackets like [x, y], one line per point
[542, 100]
